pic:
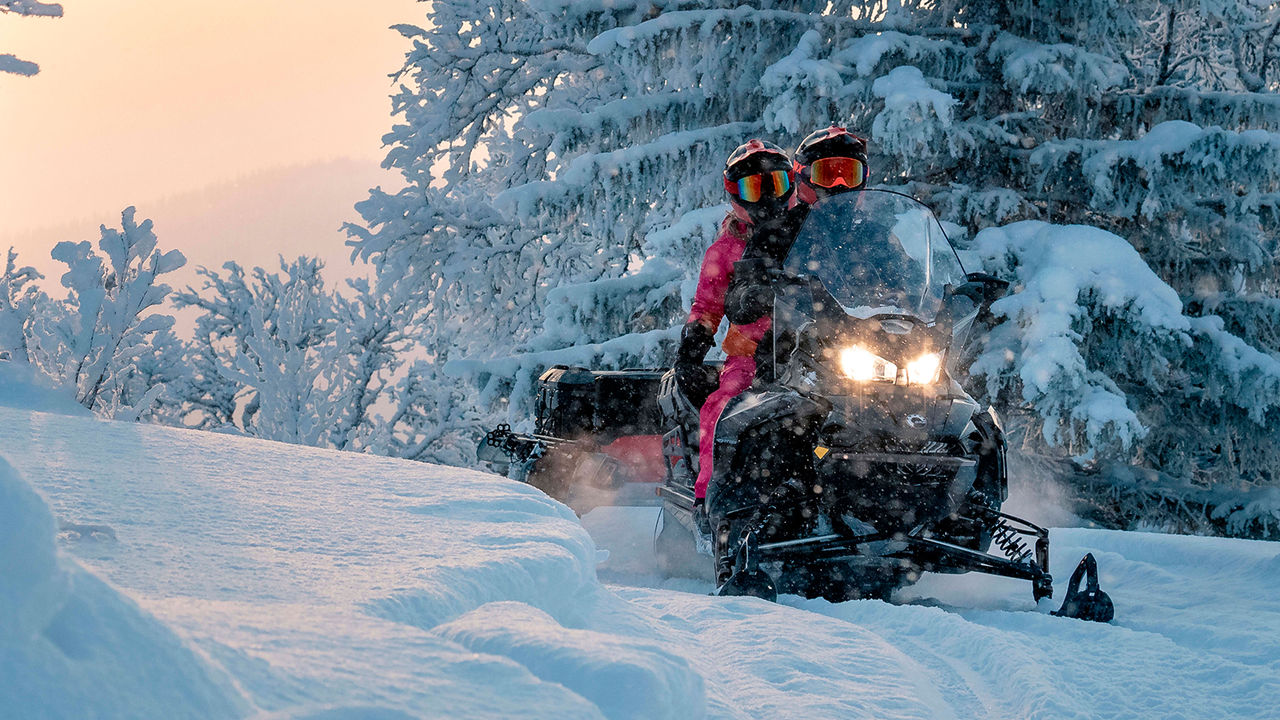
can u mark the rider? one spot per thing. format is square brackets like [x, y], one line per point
[827, 162]
[759, 181]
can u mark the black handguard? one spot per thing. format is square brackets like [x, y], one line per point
[696, 380]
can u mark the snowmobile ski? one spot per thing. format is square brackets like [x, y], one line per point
[1091, 603]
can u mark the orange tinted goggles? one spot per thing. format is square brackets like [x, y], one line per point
[834, 171]
[751, 188]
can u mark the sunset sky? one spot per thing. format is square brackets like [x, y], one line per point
[169, 103]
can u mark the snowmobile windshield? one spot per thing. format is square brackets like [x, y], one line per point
[876, 252]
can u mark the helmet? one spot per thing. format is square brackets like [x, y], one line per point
[830, 161]
[759, 180]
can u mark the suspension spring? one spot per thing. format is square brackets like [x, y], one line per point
[1008, 540]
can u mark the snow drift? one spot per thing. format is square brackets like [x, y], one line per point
[73, 646]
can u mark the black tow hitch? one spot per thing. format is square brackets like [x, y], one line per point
[1090, 603]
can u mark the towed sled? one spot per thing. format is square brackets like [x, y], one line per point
[852, 465]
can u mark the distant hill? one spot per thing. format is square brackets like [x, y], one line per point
[286, 211]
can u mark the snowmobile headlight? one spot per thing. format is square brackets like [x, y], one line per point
[924, 369]
[862, 365]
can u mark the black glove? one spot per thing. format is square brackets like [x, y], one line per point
[696, 380]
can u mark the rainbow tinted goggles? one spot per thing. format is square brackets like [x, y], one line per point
[833, 171]
[752, 188]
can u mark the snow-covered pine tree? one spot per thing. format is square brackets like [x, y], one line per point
[95, 339]
[1153, 121]
[577, 147]
[32, 8]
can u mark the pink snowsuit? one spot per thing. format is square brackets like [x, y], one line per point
[739, 343]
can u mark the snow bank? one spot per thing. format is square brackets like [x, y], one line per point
[1195, 636]
[506, 542]
[334, 586]
[73, 647]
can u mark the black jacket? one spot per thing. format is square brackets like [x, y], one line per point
[750, 293]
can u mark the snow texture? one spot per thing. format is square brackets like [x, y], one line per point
[1056, 266]
[1095, 341]
[916, 117]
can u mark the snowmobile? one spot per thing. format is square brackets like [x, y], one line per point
[855, 462]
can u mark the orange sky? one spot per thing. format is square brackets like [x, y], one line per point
[137, 100]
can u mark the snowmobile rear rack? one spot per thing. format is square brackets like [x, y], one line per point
[579, 473]
[519, 448]
[597, 439]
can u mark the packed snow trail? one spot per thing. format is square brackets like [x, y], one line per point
[275, 580]
[1196, 634]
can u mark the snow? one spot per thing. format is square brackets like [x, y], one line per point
[228, 577]
[865, 52]
[587, 168]
[705, 20]
[1178, 159]
[1058, 68]
[1057, 264]
[797, 78]
[1194, 636]
[917, 118]
[23, 386]
[905, 90]
[73, 646]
